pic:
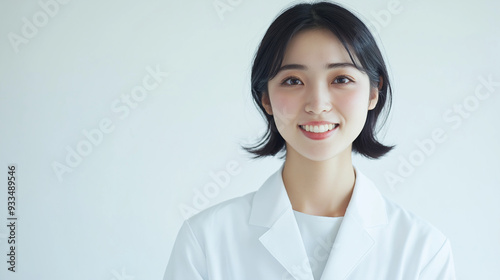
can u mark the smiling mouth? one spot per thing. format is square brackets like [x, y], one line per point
[319, 128]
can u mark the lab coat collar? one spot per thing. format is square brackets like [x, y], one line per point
[271, 208]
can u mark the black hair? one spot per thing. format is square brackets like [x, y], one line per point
[356, 39]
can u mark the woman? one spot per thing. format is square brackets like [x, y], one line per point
[321, 82]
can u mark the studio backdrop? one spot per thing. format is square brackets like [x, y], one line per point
[121, 119]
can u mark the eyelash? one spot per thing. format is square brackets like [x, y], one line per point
[283, 83]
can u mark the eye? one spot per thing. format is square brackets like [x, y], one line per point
[290, 81]
[342, 80]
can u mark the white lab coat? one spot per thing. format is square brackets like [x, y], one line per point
[256, 237]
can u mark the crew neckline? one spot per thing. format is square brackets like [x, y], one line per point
[319, 218]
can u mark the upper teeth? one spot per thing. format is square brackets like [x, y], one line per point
[318, 128]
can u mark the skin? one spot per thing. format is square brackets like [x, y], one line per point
[318, 174]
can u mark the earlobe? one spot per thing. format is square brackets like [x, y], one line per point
[373, 98]
[374, 92]
[266, 103]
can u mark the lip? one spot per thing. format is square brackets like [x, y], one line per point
[319, 136]
[318, 123]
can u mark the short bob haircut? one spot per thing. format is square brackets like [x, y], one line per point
[356, 39]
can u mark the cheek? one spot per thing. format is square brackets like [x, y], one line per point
[353, 105]
[285, 106]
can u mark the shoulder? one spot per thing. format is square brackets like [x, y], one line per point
[229, 212]
[397, 218]
[419, 242]
[393, 225]
[412, 233]
[409, 220]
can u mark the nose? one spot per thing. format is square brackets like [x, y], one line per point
[318, 99]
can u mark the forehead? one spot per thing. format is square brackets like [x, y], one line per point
[315, 46]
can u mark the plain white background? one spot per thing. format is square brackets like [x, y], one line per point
[114, 212]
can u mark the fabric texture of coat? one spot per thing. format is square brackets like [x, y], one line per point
[256, 236]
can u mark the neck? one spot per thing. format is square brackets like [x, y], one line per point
[321, 188]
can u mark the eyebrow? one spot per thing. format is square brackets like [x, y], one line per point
[327, 66]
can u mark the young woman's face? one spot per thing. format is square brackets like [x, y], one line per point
[319, 83]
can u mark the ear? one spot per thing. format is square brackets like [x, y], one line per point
[374, 94]
[266, 103]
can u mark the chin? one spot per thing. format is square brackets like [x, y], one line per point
[321, 155]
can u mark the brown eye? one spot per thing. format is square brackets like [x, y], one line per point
[290, 81]
[342, 80]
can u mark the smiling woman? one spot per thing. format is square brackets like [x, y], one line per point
[326, 89]
[321, 83]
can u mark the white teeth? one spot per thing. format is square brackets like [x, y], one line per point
[318, 128]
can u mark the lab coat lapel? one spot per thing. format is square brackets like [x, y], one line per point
[365, 211]
[271, 208]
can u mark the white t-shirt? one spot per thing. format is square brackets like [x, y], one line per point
[318, 234]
